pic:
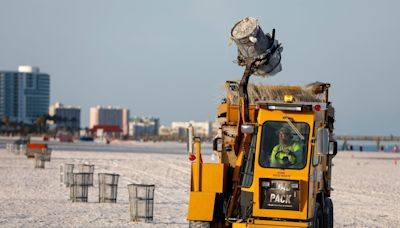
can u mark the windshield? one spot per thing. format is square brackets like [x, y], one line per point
[282, 145]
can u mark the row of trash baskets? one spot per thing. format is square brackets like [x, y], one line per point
[141, 197]
[39, 152]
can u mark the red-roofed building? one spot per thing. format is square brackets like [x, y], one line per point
[110, 116]
[107, 131]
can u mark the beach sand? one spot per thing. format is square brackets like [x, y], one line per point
[366, 190]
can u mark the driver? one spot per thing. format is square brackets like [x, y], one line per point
[287, 154]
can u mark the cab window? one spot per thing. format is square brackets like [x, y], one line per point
[284, 145]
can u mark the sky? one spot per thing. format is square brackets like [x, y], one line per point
[170, 59]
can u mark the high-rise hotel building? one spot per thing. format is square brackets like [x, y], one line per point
[24, 94]
[110, 116]
[65, 116]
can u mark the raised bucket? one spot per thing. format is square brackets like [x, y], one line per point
[253, 45]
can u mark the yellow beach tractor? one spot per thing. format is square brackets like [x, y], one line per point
[275, 147]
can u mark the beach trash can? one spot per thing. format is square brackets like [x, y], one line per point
[10, 148]
[16, 149]
[33, 148]
[22, 149]
[141, 202]
[108, 186]
[66, 171]
[47, 154]
[253, 43]
[39, 161]
[86, 168]
[80, 187]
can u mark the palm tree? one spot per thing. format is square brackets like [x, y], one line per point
[40, 122]
[7, 122]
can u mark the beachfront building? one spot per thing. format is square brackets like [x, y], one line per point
[66, 117]
[140, 127]
[106, 132]
[164, 131]
[110, 116]
[201, 129]
[24, 94]
[215, 126]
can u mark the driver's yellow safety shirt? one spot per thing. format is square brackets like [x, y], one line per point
[294, 159]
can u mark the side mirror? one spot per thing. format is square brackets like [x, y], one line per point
[333, 148]
[247, 128]
[217, 144]
[322, 141]
[190, 137]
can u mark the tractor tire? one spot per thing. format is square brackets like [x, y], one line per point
[328, 213]
[317, 221]
[199, 224]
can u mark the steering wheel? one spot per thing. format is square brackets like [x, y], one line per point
[285, 158]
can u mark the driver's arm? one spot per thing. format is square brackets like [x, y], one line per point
[274, 163]
[297, 150]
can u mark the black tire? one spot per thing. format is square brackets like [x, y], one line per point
[328, 213]
[199, 224]
[317, 221]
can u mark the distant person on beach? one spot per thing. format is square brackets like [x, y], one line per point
[395, 149]
[288, 153]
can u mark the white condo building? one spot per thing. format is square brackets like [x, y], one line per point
[200, 128]
[144, 126]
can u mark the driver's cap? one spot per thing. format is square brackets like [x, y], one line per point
[286, 130]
